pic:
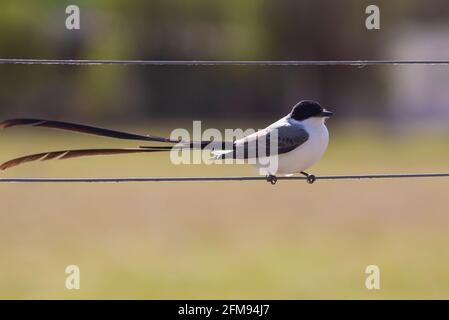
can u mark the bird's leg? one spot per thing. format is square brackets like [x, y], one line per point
[272, 179]
[310, 177]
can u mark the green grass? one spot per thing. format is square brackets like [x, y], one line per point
[225, 239]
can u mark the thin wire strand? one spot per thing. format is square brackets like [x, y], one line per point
[359, 63]
[242, 178]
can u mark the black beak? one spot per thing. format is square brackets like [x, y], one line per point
[326, 114]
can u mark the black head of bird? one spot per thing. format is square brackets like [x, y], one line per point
[307, 109]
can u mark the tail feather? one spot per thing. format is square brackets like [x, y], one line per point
[68, 154]
[83, 129]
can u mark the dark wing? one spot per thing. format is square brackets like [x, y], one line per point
[259, 144]
[84, 129]
[289, 138]
[67, 154]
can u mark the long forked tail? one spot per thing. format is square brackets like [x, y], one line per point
[84, 129]
[67, 154]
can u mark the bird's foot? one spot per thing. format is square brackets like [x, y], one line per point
[310, 177]
[272, 179]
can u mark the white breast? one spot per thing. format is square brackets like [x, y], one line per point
[308, 153]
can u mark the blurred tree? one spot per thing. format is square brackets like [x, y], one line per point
[197, 29]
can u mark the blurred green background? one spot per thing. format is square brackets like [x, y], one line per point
[226, 239]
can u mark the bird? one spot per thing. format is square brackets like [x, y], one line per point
[300, 140]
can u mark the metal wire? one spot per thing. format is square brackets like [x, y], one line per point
[243, 178]
[359, 63]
